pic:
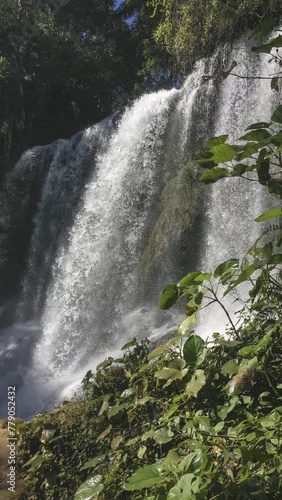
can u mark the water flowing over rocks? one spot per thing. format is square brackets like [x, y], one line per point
[92, 228]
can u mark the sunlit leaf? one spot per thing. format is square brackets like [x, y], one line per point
[230, 367]
[163, 435]
[223, 153]
[147, 476]
[104, 434]
[196, 383]
[270, 214]
[215, 141]
[90, 489]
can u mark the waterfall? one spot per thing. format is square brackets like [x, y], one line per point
[112, 215]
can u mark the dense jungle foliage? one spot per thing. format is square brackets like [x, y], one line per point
[65, 64]
[189, 419]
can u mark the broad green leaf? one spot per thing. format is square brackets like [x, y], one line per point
[214, 175]
[215, 141]
[177, 363]
[90, 489]
[277, 115]
[194, 461]
[203, 277]
[202, 423]
[226, 270]
[172, 457]
[171, 374]
[223, 153]
[183, 488]
[117, 409]
[129, 344]
[248, 364]
[230, 367]
[196, 383]
[193, 349]
[239, 169]
[254, 126]
[256, 135]
[189, 279]
[163, 435]
[147, 435]
[93, 462]
[169, 296]
[244, 276]
[147, 476]
[270, 214]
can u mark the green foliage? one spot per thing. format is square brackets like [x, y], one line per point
[63, 65]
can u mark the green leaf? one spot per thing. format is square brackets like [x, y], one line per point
[226, 270]
[163, 435]
[117, 409]
[177, 363]
[229, 368]
[189, 279]
[263, 28]
[144, 400]
[244, 276]
[276, 83]
[277, 115]
[90, 489]
[256, 135]
[223, 153]
[104, 434]
[215, 141]
[196, 383]
[171, 374]
[147, 476]
[169, 296]
[128, 392]
[258, 125]
[214, 175]
[158, 351]
[129, 344]
[183, 488]
[267, 47]
[185, 325]
[35, 462]
[202, 423]
[270, 214]
[93, 462]
[193, 349]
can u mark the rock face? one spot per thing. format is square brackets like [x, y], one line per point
[4, 466]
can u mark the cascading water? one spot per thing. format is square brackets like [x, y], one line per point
[117, 214]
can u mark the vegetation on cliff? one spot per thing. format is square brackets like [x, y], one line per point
[189, 419]
[66, 64]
